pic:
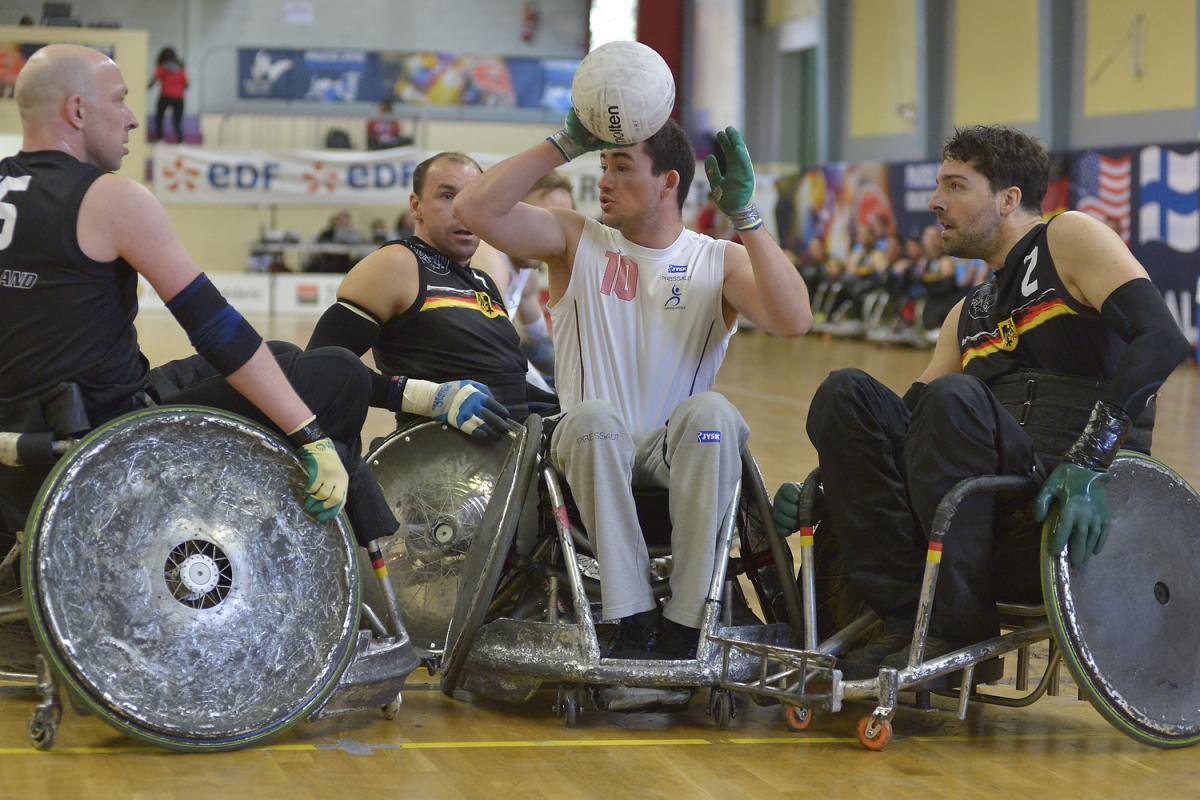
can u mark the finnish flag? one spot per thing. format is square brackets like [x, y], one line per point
[1170, 203]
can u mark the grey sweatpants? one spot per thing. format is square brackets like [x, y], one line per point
[696, 457]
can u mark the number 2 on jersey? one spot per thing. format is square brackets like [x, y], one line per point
[620, 276]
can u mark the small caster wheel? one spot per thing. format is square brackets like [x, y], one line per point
[797, 718]
[43, 728]
[722, 708]
[874, 735]
[567, 706]
[392, 709]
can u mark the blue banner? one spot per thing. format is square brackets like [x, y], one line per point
[411, 78]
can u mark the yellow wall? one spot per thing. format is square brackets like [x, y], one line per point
[995, 62]
[883, 66]
[1169, 77]
[129, 51]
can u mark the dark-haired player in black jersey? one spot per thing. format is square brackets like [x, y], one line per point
[73, 238]
[1051, 366]
[438, 328]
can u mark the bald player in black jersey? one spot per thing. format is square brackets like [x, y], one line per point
[1051, 366]
[438, 328]
[73, 239]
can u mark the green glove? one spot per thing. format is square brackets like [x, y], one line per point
[786, 508]
[733, 191]
[327, 477]
[573, 139]
[1083, 515]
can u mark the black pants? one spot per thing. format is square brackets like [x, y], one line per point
[884, 472]
[334, 384]
[176, 106]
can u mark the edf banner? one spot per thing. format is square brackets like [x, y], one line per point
[285, 177]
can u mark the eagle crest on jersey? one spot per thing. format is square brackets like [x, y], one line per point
[1008, 335]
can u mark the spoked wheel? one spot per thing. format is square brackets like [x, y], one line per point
[1135, 661]
[177, 586]
[438, 483]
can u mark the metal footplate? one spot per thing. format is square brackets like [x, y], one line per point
[796, 677]
[373, 679]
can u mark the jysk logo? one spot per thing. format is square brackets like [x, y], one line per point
[676, 269]
[709, 437]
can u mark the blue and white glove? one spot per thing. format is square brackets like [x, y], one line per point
[467, 405]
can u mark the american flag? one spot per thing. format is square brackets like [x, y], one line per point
[1104, 188]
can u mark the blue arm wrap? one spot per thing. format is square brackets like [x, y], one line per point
[216, 329]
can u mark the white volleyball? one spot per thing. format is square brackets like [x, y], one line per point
[623, 92]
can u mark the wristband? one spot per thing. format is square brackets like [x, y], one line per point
[1106, 430]
[746, 219]
[306, 432]
[418, 396]
[395, 392]
[569, 148]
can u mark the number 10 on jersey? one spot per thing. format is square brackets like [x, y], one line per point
[620, 276]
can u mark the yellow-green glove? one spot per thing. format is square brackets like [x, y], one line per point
[327, 477]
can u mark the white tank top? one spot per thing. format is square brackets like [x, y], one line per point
[640, 328]
[517, 278]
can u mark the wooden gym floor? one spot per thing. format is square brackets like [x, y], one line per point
[438, 747]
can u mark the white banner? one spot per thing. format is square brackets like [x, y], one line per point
[345, 177]
[250, 294]
[304, 294]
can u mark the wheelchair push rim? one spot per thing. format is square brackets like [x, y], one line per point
[1127, 620]
[177, 587]
[437, 482]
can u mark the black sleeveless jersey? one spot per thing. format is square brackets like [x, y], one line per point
[63, 316]
[457, 328]
[1023, 317]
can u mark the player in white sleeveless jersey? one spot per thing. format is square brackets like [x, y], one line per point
[643, 310]
[517, 279]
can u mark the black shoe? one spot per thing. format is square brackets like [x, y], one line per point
[676, 642]
[636, 636]
[864, 662]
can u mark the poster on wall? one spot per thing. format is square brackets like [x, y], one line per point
[423, 78]
[13, 56]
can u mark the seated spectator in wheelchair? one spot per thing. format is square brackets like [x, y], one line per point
[936, 273]
[517, 280]
[1049, 368]
[72, 247]
[438, 330]
[642, 312]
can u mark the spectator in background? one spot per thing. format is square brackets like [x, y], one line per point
[380, 232]
[172, 82]
[341, 231]
[936, 272]
[404, 225]
[384, 131]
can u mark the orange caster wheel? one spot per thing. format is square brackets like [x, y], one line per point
[874, 735]
[797, 719]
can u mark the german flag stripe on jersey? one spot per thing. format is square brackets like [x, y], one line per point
[1030, 318]
[475, 301]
